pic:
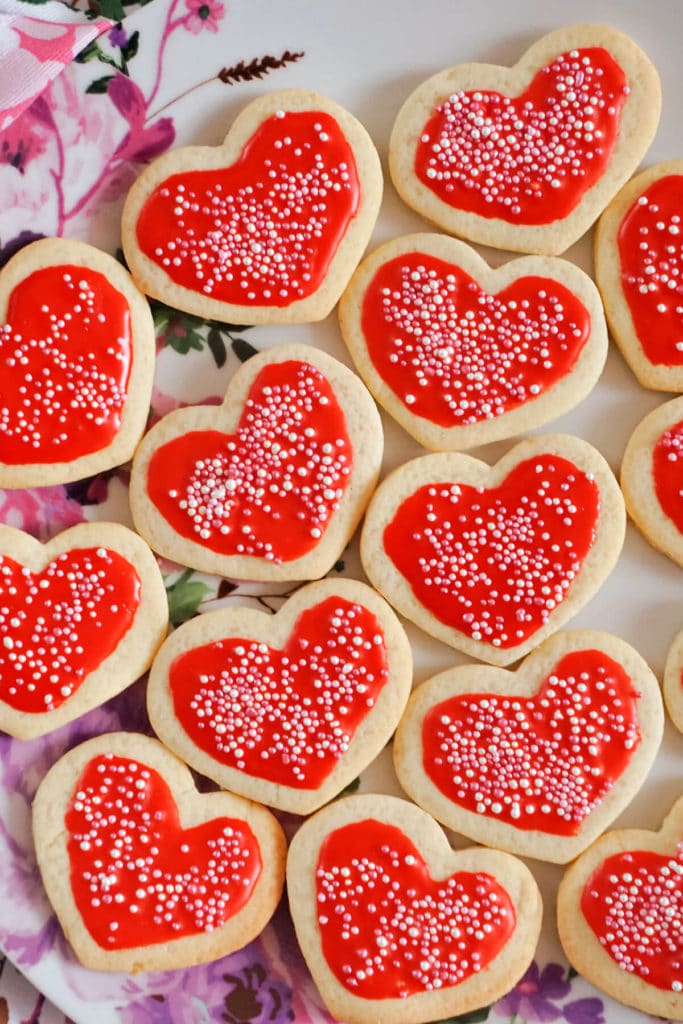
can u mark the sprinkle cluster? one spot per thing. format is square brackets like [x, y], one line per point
[137, 877]
[510, 154]
[287, 715]
[635, 902]
[391, 931]
[280, 471]
[260, 236]
[543, 762]
[57, 381]
[464, 355]
[57, 625]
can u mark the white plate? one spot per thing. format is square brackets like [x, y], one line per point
[71, 169]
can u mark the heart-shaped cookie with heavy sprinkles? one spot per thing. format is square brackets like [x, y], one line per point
[266, 228]
[540, 761]
[652, 479]
[526, 158]
[620, 916]
[492, 560]
[144, 872]
[638, 268]
[81, 618]
[285, 709]
[76, 364]
[461, 354]
[398, 928]
[271, 485]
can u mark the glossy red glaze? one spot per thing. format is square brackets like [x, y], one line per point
[633, 902]
[530, 158]
[650, 244]
[65, 362]
[388, 929]
[263, 231]
[456, 355]
[495, 563]
[541, 762]
[138, 878]
[58, 626]
[286, 715]
[667, 473]
[270, 489]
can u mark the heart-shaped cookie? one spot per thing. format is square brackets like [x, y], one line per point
[492, 560]
[620, 916]
[81, 618]
[672, 684]
[526, 158]
[265, 228]
[461, 354]
[285, 709]
[638, 268]
[540, 761]
[144, 872]
[76, 364]
[652, 478]
[271, 485]
[394, 925]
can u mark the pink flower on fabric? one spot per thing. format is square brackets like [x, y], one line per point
[32, 53]
[203, 14]
[40, 511]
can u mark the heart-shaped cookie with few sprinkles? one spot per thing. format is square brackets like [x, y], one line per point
[269, 486]
[76, 364]
[462, 354]
[620, 916]
[638, 269]
[266, 228]
[284, 709]
[81, 618]
[672, 685]
[144, 872]
[538, 761]
[493, 559]
[652, 479]
[398, 928]
[527, 158]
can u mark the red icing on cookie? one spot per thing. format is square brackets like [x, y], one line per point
[542, 762]
[650, 242]
[495, 563]
[633, 902]
[138, 878]
[456, 355]
[388, 929]
[65, 362]
[667, 471]
[286, 715]
[270, 489]
[264, 231]
[57, 626]
[526, 159]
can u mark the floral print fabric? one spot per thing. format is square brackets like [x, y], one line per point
[37, 41]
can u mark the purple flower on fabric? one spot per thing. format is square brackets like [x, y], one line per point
[238, 989]
[535, 996]
[118, 36]
[585, 1011]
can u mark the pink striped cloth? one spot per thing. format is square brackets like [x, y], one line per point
[37, 41]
